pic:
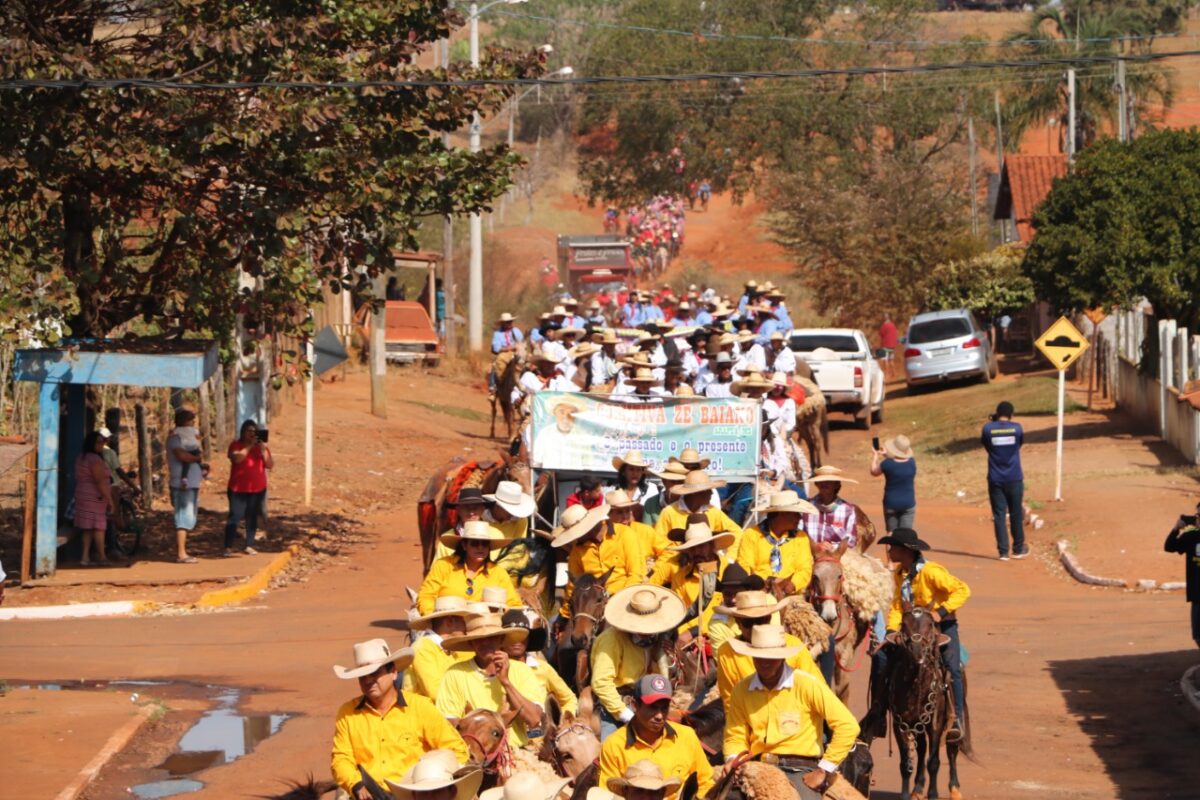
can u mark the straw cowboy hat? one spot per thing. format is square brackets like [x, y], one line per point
[779, 380]
[644, 774]
[478, 530]
[898, 447]
[506, 317]
[766, 641]
[599, 793]
[568, 403]
[905, 537]
[633, 458]
[645, 376]
[482, 627]
[508, 495]
[645, 609]
[673, 470]
[753, 604]
[777, 336]
[786, 502]
[373, 654]
[697, 480]
[526, 785]
[583, 350]
[619, 498]
[636, 360]
[690, 458]
[830, 474]
[558, 311]
[433, 771]
[749, 371]
[684, 390]
[570, 301]
[609, 336]
[696, 534]
[493, 598]
[569, 330]
[574, 531]
[448, 606]
[545, 358]
[755, 381]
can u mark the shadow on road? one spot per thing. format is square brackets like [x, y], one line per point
[1139, 723]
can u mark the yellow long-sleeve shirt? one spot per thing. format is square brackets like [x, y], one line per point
[430, 662]
[678, 753]
[787, 720]
[683, 578]
[553, 682]
[465, 687]
[649, 542]
[933, 586]
[617, 551]
[616, 661]
[675, 516]
[387, 745]
[448, 577]
[795, 556]
[733, 667]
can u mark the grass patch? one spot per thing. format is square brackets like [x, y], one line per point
[452, 411]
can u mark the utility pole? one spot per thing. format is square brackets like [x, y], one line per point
[448, 237]
[1123, 112]
[974, 184]
[378, 351]
[1070, 115]
[999, 134]
[475, 277]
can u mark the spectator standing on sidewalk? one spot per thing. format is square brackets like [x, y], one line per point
[896, 464]
[1002, 438]
[93, 500]
[1184, 539]
[249, 460]
[186, 475]
[889, 340]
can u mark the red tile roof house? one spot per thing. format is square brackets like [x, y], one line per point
[1024, 183]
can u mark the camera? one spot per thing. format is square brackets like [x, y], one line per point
[1188, 519]
[262, 435]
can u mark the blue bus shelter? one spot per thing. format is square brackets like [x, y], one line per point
[62, 374]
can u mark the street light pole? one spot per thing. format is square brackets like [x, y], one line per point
[475, 266]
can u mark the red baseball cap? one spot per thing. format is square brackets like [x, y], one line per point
[651, 689]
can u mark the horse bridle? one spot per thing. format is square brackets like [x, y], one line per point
[496, 759]
[844, 612]
[555, 752]
[837, 598]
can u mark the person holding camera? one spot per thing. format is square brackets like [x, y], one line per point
[249, 460]
[1184, 538]
[1002, 439]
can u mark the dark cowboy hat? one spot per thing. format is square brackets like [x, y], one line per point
[905, 537]
[470, 496]
[736, 579]
[518, 618]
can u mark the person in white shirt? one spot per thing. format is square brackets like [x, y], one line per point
[604, 361]
[646, 387]
[780, 357]
[779, 407]
[722, 383]
[559, 344]
[545, 370]
[753, 355]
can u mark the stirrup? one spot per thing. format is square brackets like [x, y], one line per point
[954, 733]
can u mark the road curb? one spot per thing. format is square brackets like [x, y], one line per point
[250, 587]
[114, 745]
[1077, 572]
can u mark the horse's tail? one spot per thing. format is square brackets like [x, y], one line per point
[825, 428]
[964, 746]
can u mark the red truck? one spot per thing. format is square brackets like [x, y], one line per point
[589, 262]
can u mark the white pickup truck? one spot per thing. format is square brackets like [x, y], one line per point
[844, 368]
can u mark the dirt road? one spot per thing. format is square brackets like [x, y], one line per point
[1073, 690]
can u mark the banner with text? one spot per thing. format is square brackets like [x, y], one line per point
[584, 431]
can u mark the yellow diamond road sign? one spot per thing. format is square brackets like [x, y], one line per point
[1062, 343]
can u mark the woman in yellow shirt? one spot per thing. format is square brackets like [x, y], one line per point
[597, 549]
[469, 569]
[695, 496]
[621, 511]
[778, 550]
[693, 573]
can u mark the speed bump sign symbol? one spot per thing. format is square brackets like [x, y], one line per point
[1062, 343]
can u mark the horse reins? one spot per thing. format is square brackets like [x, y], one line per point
[843, 613]
[499, 759]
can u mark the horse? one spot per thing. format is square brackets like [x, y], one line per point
[486, 736]
[827, 595]
[812, 417]
[506, 368]
[921, 704]
[577, 632]
[571, 746]
[708, 721]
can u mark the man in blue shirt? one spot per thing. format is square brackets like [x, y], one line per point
[506, 336]
[1002, 438]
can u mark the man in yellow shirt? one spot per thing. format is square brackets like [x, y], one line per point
[621, 510]
[430, 657]
[597, 549]
[919, 584]
[379, 735]
[529, 652]
[693, 571]
[674, 748]
[641, 630]
[491, 680]
[694, 497]
[777, 714]
[778, 550]
[750, 609]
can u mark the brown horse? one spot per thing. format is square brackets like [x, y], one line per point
[571, 746]
[827, 595]
[507, 368]
[577, 632]
[920, 703]
[486, 736]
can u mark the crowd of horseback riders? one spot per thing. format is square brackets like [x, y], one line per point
[654, 230]
[686, 655]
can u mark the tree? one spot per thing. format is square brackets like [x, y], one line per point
[142, 206]
[990, 282]
[1124, 224]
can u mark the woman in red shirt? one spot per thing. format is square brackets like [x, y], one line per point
[249, 460]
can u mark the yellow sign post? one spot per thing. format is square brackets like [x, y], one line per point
[1062, 344]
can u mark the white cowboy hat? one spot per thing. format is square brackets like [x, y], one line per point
[751, 604]
[483, 626]
[477, 529]
[619, 498]
[558, 311]
[830, 474]
[673, 470]
[546, 357]
[433, 771]
[526, 785]
[689, 457]
[633, 458]
[779, 379]
[569, 330]
[766, 641]
[644, 774]
[505, 317]
[698, 533]
[644, 376]
[583, 350]
[697, 480]
[898, 447]
[777, 336]
[370, 656]
[609, 336]
[494, 598]
[448, 606]
[574, 530]
[787, 502]
[508, 495]
[755, 381]
[645, 609]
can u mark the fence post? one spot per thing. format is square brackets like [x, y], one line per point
[1181, 345]
[1165, 339]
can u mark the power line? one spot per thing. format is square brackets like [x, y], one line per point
[11, 84]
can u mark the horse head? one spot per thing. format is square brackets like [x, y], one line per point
[572, 746]
[918, 635]
[825, 590]
[587, 608]
[485, 734]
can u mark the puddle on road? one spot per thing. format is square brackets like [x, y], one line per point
[150, 791]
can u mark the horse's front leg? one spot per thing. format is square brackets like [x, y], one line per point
[919, 779]
[906, 748]
[952, 761]
[935, 761]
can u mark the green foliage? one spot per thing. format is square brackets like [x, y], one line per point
[1124, 224]
[141, 205]
[992, 282]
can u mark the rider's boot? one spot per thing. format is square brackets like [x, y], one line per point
[874, 724]
[954, 731]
